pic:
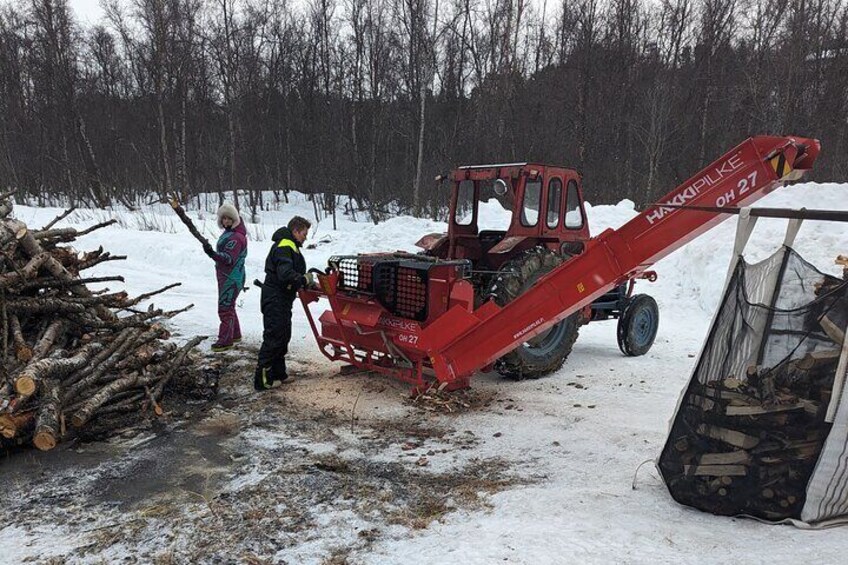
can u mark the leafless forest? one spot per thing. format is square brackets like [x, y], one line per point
[371, 99]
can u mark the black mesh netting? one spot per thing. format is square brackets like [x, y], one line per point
[751, 424]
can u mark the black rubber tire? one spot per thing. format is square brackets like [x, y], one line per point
[547, 352]
[637, 326]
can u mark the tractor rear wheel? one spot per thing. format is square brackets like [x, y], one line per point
[547, 351]
[637, 327]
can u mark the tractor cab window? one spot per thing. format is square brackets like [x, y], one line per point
[532, 203]
[573, 213]
[554, 200]
[464, 203]
[495, 208]
[499, 190]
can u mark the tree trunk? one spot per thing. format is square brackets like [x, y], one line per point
[416, 189]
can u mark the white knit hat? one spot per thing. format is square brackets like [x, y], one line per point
[229, 211]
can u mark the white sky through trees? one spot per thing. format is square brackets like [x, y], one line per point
[87, 11]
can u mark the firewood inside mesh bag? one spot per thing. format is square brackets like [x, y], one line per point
[751, 425]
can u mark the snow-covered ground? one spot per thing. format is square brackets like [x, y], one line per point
[579, 435]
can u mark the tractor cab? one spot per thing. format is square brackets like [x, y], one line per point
[515, 223]
[500, 211]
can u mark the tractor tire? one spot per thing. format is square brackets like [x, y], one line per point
[546, 352]
[637, 326]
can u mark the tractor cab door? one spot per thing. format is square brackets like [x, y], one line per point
[565, 216]
[549, 212]
[481, 210]
[551, 205]
[462, 227]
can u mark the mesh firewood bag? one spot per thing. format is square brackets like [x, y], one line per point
[761, 429]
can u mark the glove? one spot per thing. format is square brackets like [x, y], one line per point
[208, 250]
[310, 280]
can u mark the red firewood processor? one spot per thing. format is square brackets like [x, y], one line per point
[514, 300]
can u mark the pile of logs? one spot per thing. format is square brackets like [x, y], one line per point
[74, 361]
[748, 444]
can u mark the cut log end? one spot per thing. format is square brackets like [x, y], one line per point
[79, 420]
[25, 386]
[23, 353]
[12, 424]
[44, 440]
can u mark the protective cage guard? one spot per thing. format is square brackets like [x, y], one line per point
[400, 283]
[404, 315]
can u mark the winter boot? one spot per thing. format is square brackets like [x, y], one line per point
[262, 379]
[279, 371]
[219, 347]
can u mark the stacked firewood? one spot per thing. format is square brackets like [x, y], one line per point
[74, 360]
[748, 444]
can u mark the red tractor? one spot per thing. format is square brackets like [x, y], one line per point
[548, 226]
[514, 299]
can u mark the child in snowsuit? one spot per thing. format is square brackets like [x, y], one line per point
[229, 255]
[285, 274]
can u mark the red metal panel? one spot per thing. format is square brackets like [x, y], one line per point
[462, 295]
[362, 313]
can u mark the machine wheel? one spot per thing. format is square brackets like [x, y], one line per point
[637, 327]
[546, 352]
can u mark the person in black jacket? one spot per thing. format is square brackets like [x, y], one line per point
[285, 274]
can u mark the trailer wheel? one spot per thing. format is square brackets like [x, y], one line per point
[546, 352]
[637, 327]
